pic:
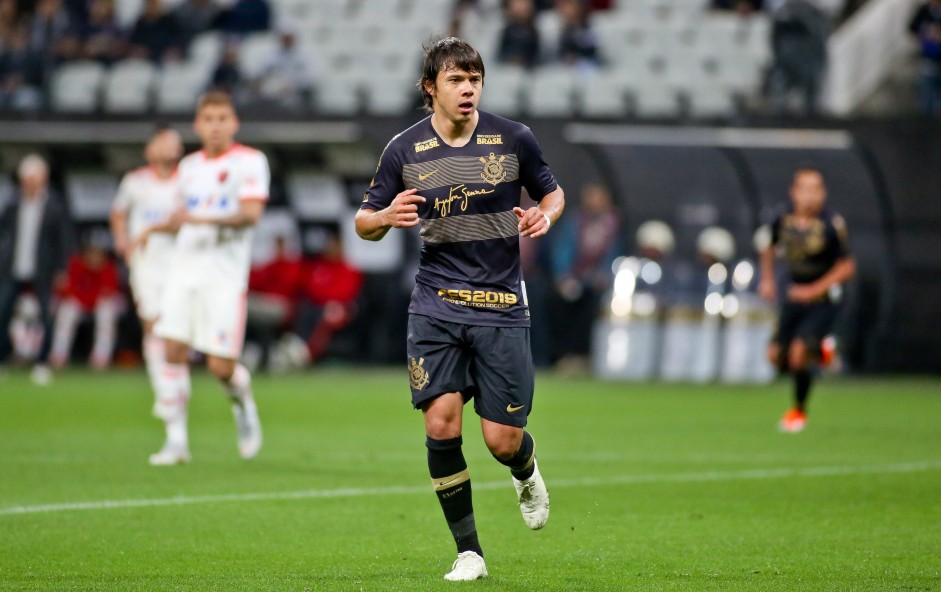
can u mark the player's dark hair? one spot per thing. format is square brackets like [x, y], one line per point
[445, 53]
[809, 168]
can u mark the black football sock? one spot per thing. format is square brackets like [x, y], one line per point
[802, 383]
[452, 484]
[523, 463]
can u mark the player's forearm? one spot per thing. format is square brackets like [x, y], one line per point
[371, 225]
[118, 222]
[248, 215]
[767, 264]
[552, 205]
[841, 272]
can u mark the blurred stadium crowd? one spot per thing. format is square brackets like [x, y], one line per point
[317, 291]
[598, 58]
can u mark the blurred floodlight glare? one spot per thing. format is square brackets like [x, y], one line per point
[651, 272]
[743, 274]
[625, 282]
[645, 304]
[713, 303]
[718, 274]
[730, 306]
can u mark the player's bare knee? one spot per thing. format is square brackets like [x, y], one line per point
[176, 352]
[221, 368]
[503, 441]
[797, 355]
[442, 427]
[774, 355]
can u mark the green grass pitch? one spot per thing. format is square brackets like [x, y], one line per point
[654, 487]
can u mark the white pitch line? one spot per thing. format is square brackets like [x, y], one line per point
[706, 476]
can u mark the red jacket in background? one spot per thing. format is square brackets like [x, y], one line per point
[331, 280]
[280, 277]
[87, 284]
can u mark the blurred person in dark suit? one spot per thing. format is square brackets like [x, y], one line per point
[926, 26]
[245, 17]
[519, 40]
[194, 17]
[36, 240]
[583, 252]
[21, 72]
[799, 32]
[155, 36]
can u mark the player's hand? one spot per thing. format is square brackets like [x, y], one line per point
[532, 222]
[121, 246]
[768, 290]
[804, 293]
[139, 242]
[177, 218]
[403, 211]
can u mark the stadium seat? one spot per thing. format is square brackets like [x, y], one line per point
[373, 256]
[549, 92]
[178, 87]
[316, 196]
[76, 86]
[205, 50]
[274, 223]
[502, 88]
[255, 52]
[656, 99]
[390, 94]
[603, 95]
[90, 195]
[337, 95]
[129, 86]
[710, 101]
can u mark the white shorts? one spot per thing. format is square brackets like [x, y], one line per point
[147, 288]
[210, 319]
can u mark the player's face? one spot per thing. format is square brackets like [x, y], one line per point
[216, 126]
[808, 192]
[456, 94]
[165, 149]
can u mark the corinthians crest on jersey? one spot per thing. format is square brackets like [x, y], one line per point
[493, 172]
[417, 375]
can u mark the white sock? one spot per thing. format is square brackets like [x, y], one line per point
[177, 434]
[106, 324]
[173, 397]
[239, 386]
[154, 359]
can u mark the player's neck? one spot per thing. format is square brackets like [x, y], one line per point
[217, 151]
[163, 172]
[454, 133]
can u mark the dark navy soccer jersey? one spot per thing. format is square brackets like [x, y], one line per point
[810, 251]
[469, 270]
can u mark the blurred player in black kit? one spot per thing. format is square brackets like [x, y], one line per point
[814, 245]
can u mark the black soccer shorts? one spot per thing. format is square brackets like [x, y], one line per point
[491, 365]
[808, 322]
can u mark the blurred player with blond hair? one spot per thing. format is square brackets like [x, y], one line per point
[149, 195]
[224, 188]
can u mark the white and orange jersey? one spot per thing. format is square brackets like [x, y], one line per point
[215, 188]
[148, 199]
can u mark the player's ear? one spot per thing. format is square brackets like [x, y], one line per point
[429, 87]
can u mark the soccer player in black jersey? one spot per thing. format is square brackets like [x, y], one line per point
[458, 174]
[813, 242]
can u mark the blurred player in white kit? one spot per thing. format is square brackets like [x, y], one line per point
[149, 195]
[224, 189]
